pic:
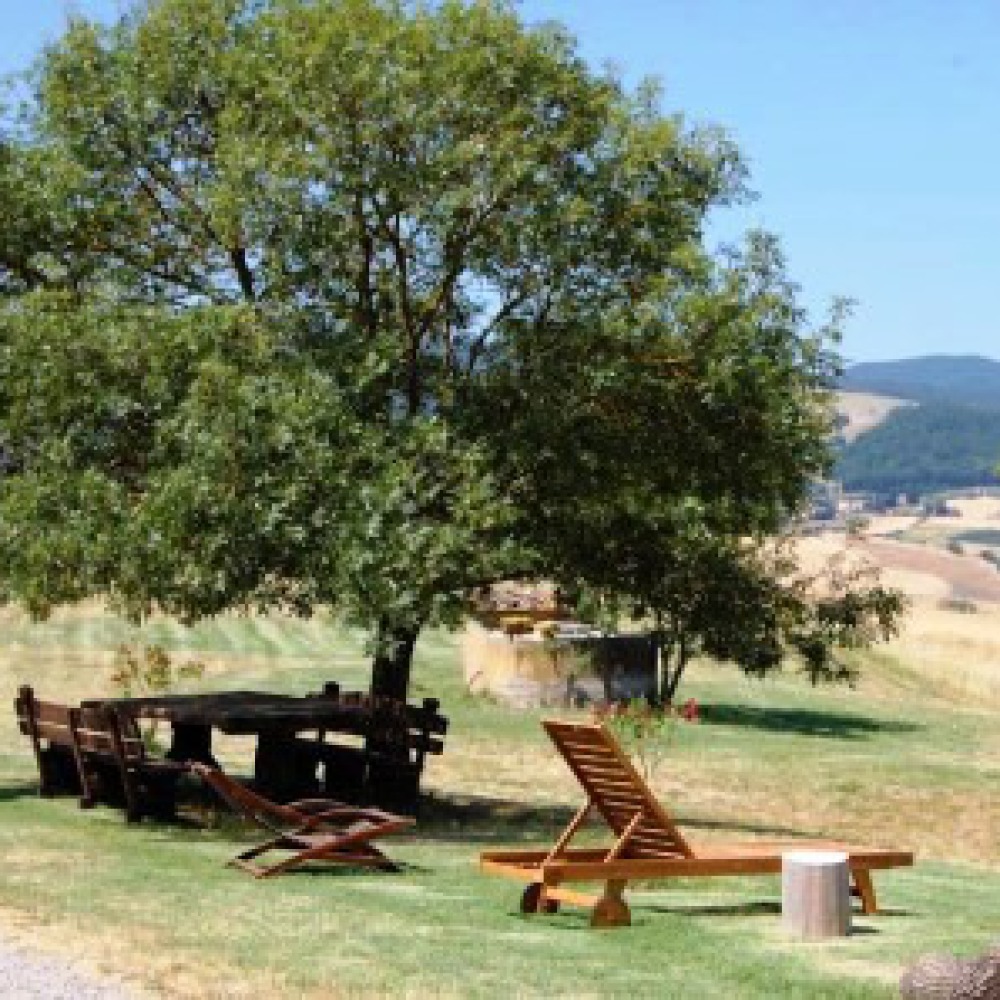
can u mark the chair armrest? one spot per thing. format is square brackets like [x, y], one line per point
[352, 814]
[313, 806]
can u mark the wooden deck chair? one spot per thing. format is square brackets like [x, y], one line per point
[311, 829]
[648, 844]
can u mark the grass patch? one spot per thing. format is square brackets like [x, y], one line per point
[899, 762]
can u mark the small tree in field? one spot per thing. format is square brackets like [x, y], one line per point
[364, 304]
[751, 606]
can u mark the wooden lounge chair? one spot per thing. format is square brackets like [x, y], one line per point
[311, 829]
[648, 844]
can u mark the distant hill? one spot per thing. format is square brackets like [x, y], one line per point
[965, 380]
[924, 449]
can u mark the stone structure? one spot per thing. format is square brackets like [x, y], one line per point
[534, 668]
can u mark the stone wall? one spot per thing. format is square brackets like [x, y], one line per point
[529, 670]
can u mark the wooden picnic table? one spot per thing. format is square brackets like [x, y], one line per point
[285, 764]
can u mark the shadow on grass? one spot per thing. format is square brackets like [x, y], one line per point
[753, 908]
[488, 820]
[10, 793]
[801, 721]
[759, 907]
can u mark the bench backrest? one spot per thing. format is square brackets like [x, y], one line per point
[100, 731]
[419, 728]
[44, 720]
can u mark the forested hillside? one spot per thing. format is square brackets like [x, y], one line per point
[925, 448]
[962, 380]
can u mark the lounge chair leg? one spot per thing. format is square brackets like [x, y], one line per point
[611, 909]
[865, 890]
[533, 900]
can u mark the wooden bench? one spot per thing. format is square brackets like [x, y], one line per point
[51, 728]
[119, 769]
[93, 753]
[382, 767]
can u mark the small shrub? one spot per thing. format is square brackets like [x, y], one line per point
[645, 730]
[139, 671]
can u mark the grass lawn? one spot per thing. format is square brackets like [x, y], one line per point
[900, 761]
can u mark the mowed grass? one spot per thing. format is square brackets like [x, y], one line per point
[908, 759]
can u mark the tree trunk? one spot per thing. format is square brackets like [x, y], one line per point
[675, 652]
[393, 661]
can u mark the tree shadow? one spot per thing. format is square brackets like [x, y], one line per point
[10, 793]
[801, 721]
[486, 819]
[753, 908]
[757, 829]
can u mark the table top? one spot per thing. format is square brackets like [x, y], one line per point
[244, 712]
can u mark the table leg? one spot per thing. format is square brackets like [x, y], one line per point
[283, 770]
[192, 742]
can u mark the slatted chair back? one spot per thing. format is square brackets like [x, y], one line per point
[270, 815]
[50, 725]
[43, 720]
[618, 792]
[105, 734]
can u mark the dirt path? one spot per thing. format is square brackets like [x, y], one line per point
[31, 975]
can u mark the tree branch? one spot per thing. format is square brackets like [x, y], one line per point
[238, 255]
[506, 310]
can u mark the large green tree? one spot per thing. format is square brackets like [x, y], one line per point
[366, 303]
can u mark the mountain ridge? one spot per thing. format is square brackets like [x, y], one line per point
[970, 380]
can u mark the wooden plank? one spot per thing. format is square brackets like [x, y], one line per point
[25, 705]
[610, 779]
[622, 843]
[92, 741]
[54, 733]
[87, 798]
[618, 799]
[534, 858]
[866, 890]
[579, 731]
[567, 835]
[46, 711]
[599, 765]
[734, 864]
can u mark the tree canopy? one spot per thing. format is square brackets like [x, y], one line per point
[365, 303]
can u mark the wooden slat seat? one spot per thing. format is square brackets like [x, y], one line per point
[648, 844]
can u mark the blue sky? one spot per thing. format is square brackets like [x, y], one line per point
[872, 128]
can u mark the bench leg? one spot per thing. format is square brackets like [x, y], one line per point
[864, 888]
[611, 909]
